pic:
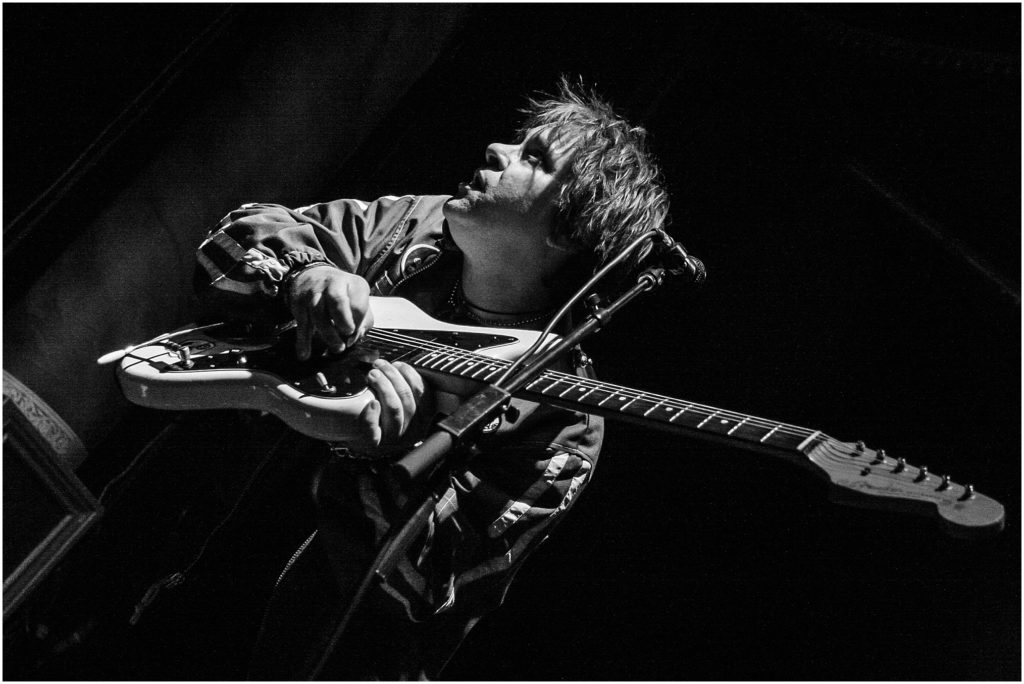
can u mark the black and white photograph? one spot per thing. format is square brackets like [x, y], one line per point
[512, 341]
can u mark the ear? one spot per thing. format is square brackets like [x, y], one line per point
[558, 239]
[562, 244]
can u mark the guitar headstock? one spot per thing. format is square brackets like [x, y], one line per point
[868, 477]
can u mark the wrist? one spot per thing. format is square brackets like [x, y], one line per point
[289, 280]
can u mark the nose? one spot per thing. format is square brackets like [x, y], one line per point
[498, 155]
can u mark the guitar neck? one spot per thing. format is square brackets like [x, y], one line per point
[675, 415]
[615, 401]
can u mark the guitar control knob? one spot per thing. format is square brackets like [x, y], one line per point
[968, 493]
[922, 474]
[944, 485]
[321, 380]
[185, 357]
[901, 464]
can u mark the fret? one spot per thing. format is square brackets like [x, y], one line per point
[615, 400]
[750, 429]
[681, 412]
[722, 423]
[596, 395]
[451, 367]
[733, 428]
[640, 405]
[770, 433]
[786, 438]
[494, 370]
[689, 418]
[628, 403]
[447, 363]
[810, 438]
[543, 378]
[570, 388]
[655, 406]
[484, 367]
[710, 416]
[578, 389]
[430, 358]
[440, 361]
[554, 389]
[458, 369]
[414, 356]
[663, 413]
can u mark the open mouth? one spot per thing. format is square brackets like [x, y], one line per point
[478, 182]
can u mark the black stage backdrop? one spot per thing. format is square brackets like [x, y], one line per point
[849, 174]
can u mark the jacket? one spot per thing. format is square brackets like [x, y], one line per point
[530, 467]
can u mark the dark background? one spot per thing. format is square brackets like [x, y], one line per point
[849, 174]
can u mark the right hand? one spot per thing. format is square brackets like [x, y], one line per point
[332, 302]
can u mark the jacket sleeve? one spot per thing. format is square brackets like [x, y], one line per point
[244, 262]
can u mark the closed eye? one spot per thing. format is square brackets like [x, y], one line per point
[534, 155]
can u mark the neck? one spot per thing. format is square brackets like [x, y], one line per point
[504, 293]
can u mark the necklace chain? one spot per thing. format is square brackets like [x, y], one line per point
[457, 300]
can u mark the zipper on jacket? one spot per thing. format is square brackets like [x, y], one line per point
[403, 280]
[295, 557]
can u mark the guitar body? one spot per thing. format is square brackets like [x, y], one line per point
[232, 368]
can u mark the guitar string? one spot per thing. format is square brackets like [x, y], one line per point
[830, 451]
[840, 458]
[573, 380]
[416, 345]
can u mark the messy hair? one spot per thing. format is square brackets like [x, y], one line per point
[615, 191]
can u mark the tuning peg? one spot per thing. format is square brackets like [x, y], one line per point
[944, 485]
[880, 456]
[968, 493]
[922, 474]
[861, 446]
[901, 464]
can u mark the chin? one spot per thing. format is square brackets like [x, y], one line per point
[459, 205]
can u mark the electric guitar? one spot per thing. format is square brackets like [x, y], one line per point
[228, 366]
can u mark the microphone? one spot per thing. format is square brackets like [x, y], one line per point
[680, 263]
[695, 272]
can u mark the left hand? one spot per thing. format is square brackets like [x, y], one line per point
[398, 404]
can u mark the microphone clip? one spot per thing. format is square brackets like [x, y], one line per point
[677, 261]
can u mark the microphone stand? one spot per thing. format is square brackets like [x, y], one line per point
[419, 469]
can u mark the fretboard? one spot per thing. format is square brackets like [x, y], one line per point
[607, 399]
[592, 396]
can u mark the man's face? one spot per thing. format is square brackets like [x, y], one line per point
[511, 200]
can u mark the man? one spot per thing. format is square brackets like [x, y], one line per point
[505, 251]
